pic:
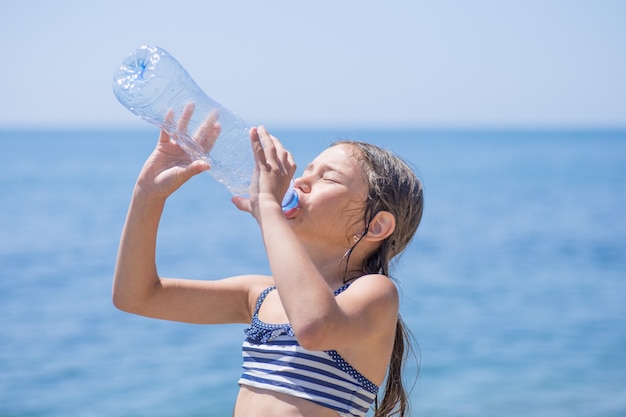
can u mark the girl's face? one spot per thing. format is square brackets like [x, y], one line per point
[332, 191]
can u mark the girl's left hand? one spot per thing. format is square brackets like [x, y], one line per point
[273, 171]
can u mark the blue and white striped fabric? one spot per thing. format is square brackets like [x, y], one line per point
[273, 360]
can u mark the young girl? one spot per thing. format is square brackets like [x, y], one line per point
[324, 328]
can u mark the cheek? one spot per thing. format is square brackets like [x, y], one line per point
[350, 220]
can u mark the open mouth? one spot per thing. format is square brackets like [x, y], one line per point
[291, 213]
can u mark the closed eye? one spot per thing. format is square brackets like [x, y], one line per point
[324, 173]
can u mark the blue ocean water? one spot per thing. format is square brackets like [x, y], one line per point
[514, 286]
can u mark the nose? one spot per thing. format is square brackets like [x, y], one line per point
[302, 184]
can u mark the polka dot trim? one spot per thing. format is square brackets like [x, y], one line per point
[262, 332]
[347, 368]
[341, 289]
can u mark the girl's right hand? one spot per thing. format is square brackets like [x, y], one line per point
[274, 169]
[169, 167]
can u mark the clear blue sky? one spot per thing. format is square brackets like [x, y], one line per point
[434, 63]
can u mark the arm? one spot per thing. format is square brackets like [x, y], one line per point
[320, 320]
[137, 287]
[368, 312]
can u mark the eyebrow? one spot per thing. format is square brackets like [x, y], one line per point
[325, 166]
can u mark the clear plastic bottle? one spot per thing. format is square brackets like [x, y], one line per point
[151, 83]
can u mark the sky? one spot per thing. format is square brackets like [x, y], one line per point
[412, 63]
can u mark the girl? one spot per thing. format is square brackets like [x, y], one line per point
[324, 328]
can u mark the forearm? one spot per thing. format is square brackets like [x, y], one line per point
[306, 296]
[136, 276]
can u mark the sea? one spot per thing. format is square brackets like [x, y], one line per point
[514, 286]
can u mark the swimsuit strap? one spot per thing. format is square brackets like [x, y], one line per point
[261, 299]
[342, 288]
[273, 287]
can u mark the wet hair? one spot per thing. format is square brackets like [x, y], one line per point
[392, 187]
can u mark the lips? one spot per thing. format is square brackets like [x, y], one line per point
[291, 213]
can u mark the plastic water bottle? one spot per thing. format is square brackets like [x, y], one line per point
[151, 83]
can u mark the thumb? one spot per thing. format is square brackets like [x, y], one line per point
[242, 203]
[193, 169]
[198, 166]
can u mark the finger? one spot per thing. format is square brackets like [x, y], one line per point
[169, 117]
[207, 125]
[242, 203]
[269, 148]
[164, 136]
[291, 163]
[194, 168]
[183, 123]
[285, 157]
[208, 141]
[257, 147]
[209, 131]
[198, 166]
[266, 138]
[167, 121]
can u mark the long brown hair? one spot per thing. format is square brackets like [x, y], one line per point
[395, 188]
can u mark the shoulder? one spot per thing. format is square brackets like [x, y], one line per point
[374, 291]
[250, 284]
[371, 305]
[376, 284]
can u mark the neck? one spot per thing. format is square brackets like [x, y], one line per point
[332, 264]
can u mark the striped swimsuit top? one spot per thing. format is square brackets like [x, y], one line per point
[273, 360]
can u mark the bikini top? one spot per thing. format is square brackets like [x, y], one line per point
[273, 360]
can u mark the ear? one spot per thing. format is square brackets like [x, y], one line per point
[381, 227]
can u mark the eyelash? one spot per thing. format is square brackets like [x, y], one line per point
[324, 177]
